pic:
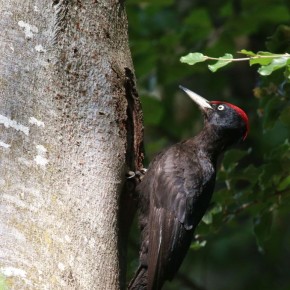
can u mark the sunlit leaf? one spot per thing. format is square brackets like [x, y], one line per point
[193, 58]
[261, 60]
[197, 245]
[223, 61]
[266, 53]
[247, 52]
[287, 72]
[276, 63]
[207, 218]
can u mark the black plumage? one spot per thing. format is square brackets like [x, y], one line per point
[176, 190]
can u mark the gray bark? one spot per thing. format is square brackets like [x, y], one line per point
[65, 84]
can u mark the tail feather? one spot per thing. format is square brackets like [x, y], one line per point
[157, 257]
[139, 282]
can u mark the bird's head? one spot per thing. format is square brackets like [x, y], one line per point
[227, 119]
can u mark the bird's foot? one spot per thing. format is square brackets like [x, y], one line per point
[139, 174]
[134, 178]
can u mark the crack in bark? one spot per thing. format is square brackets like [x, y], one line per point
[134, 124]
[134, 161]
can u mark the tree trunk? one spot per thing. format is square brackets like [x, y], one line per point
[70, 126]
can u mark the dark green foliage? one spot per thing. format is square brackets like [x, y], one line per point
[244, 239]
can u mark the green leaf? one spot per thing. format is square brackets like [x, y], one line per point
[193, 58]
[266, 53]
[261, 60]
[287, 72]
[196, 245]
[223, 61]
[208, 217]
[247, 52]
[264, 58]
[276, 63]
[284, 184]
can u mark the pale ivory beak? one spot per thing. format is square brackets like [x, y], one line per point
[200, 101]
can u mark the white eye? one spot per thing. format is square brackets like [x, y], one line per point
[221, 107]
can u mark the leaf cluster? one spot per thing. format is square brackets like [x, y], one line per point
[268, 62]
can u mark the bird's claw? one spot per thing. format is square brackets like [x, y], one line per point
[130, 174]
[137, 174]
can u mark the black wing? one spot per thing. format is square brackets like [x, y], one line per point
[179, 191]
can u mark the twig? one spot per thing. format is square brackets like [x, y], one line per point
[248, 58]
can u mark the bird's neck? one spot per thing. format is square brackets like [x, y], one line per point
[209, 142]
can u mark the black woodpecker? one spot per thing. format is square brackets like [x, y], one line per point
[176, 190]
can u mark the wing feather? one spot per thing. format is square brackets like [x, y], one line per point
[168, 236]
[175, 208]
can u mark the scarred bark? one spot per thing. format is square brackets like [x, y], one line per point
[70, 127]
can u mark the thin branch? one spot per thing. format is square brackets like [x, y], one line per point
[248, 58]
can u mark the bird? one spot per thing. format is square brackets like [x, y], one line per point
[176, 190]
